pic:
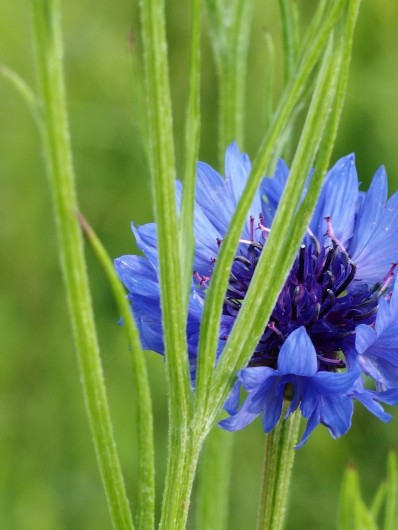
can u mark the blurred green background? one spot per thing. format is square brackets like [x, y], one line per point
[49, 479]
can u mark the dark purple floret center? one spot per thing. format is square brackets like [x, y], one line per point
[321, 293]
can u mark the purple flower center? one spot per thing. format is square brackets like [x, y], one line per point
[321, 293]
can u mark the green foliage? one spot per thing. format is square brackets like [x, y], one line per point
[382, 513]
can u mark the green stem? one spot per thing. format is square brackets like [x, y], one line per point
[229, 28]
[162, 165]
[192, 140]
[48, 42]
[290, 36]
[277, 471]
[185, 446]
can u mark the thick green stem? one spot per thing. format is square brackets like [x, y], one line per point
[277, 471]
[47, 35]
[185, 446]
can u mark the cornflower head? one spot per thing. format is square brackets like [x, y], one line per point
[335, 322]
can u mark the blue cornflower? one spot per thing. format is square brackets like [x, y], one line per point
[336, 319]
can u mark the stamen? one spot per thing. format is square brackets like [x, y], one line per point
[329, 302]
[262, 227]
[315, 241]
[315, 316]
[271, 325]
[300, 272]
[362, 316]
[296, 294]
[252, 228]
[201, 279]
[242, 259]
[390, 275]
[337, 363]
[348, 279]
[331, 235]
[328, 260]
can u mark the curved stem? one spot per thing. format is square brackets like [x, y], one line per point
[277, 472]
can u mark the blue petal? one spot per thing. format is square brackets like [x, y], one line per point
[367, 399]
[365, 336]
[138, 275]
[336, 414]
[312, 422]
[237, 170]
[297, 355]
[376, 247]
[241, 419]
[214, 198]
[273, 403]
[272, 190]
[252, 378]
[338, 199]
[369, 214]
[232, 402]
[146, 239]
[379, 348]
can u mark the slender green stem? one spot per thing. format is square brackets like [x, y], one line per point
[145, 517]
[229, 28]
[232, 76]
[290, 36]
[278, 466]
[192, 138]
[162, 163]
[269, 80]
[26, 93]
[48, 42]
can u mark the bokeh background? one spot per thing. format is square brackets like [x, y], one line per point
[48, 474]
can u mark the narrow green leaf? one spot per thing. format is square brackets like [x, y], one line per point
[290, 37]
[229, 28]
[137, 94]
[363, 517]
[269, 80]
[349, 495]
[26, 93]
[378, 501]
[162, 164]
[183, 446]
[145, 517]
[48, 43]
[192, 139]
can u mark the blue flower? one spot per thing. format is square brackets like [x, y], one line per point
[336, 318]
